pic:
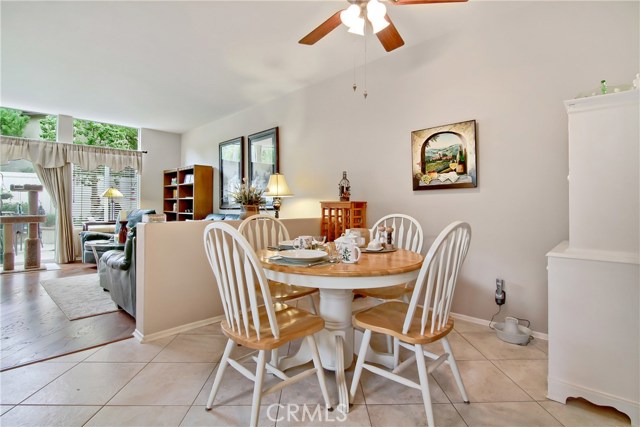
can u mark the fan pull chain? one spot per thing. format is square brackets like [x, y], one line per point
[365, 68]
[355, 85]
[355, 60]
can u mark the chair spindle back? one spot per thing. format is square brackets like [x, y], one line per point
[436, 281]
[262, 231]
[407, 231]
[238, 271]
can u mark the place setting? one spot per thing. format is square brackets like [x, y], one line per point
[303, 251]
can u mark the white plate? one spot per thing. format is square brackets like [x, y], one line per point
[286, 243]
[302, 255]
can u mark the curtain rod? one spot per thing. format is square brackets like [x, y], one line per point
[62, 142]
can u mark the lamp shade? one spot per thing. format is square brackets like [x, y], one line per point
[111, 193]
[277, 186]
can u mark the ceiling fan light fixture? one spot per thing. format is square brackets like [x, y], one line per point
[375, 10]
[357, 27]
[350, 15]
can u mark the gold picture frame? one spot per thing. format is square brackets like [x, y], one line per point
[444, 157]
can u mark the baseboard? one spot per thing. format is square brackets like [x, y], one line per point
[173, 331]
[483, 322]
[559, 391]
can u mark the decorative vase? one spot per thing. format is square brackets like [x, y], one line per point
[344, 187]
[122, 235]
[249, 210]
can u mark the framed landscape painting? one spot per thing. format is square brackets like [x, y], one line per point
[444, 157]
[231, 155]
[263, 157]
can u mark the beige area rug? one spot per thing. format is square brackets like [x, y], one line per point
[79, 296]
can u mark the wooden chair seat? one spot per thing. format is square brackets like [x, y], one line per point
[293, 322]
[281, 292]
[388, 318]
[386, 293]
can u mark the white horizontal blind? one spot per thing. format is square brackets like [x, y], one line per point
[89, 185]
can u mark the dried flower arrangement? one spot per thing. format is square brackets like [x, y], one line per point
[248, 195]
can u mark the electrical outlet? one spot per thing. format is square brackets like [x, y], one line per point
[501, 295]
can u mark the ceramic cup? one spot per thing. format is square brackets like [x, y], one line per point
[349, 251]
[374, 245]
[303, 242]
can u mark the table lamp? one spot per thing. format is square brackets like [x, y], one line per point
[112, 193]
[277, 188]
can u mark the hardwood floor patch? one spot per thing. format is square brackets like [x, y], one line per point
[35, 329]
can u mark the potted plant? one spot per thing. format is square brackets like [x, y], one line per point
[249, 197]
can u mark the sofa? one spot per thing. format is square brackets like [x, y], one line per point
[117, 273]
[133, 217]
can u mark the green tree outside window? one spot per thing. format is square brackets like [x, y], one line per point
[12, 122]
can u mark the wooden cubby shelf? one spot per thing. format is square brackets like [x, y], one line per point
[188, 192]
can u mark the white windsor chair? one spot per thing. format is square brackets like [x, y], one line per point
[408, 235]
[262, 232]
[238, 273]
[424, 319]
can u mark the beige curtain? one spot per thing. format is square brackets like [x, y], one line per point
[52, 162]
[56, 181]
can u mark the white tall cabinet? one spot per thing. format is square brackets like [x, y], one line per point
[594, 277]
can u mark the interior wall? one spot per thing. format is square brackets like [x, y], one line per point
[163, 152]
[510, 74]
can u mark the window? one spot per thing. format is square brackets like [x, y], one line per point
[88, 186]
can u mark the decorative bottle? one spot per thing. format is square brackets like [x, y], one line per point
[460, 168]
[603, 86]
[344, 188]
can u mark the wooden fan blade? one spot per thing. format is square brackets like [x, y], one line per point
[390, 37]
[407, 2]
[322, 30]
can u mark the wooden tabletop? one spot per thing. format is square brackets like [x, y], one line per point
[370, 264]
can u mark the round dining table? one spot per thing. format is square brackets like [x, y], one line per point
[336, 283]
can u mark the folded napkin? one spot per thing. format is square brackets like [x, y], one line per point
[282, 261]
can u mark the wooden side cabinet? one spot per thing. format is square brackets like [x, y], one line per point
[339, 216]
[188, 192]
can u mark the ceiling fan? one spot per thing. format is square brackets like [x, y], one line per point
[362, 11]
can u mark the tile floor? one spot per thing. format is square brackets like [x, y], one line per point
[167, 382]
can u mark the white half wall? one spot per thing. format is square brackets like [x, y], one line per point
[510, 70]
[175, 286]
[163, 152]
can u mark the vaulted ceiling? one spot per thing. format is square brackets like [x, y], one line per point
[176, 65]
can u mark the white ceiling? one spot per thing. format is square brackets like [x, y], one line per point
[176, 65]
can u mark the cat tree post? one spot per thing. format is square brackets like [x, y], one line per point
[32, 243]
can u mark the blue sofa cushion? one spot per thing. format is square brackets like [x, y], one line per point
[214, 217]
[221, 217]
[121, 259]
